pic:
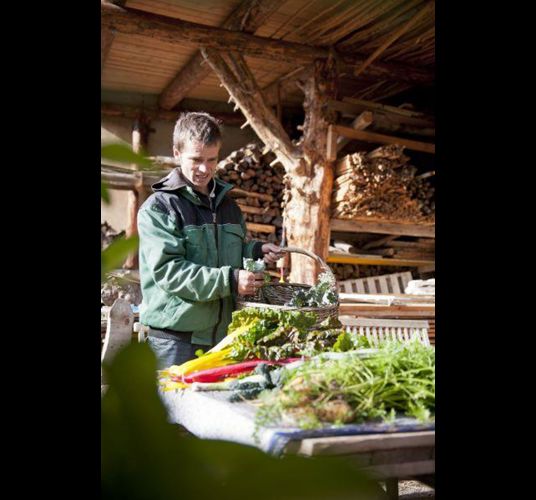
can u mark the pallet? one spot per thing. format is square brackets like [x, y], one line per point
[377, 330]
[386, 284]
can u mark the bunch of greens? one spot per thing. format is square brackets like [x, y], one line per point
[275, 335]
[256, 266]
[398, 380]
[321, 294]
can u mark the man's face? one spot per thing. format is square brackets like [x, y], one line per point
[198, 162]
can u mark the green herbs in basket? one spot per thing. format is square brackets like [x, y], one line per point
[321, 294]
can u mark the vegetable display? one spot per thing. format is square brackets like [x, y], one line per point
[393, 380]
[309, 376]
[259, 335]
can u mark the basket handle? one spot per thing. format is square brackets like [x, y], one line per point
[323, 265]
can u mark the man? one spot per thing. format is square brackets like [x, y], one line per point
[192, 242]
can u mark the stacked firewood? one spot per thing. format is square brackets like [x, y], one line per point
[381, 184]
[258, 178]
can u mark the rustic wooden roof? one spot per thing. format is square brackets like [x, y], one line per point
[143, 64]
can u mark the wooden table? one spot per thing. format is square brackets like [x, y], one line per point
[387, 456]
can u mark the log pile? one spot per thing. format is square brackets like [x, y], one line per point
[381, 184]
[258, 178]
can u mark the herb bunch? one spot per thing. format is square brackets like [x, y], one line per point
[398, 380]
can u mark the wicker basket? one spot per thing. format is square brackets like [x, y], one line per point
[274, 295]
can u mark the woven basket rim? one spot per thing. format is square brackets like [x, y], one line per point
[281, 307]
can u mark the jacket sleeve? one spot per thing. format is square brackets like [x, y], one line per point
[252, 249]
[162, 254]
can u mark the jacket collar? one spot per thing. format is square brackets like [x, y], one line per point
[175, 181]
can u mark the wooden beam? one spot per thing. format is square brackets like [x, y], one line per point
[369, 260]
[394, 37]
[136, 197]
[107, 37]
[286, 84]
[362, 225]
[386, 121]
[332, 149]
[379, 242]
[363, 135]
[247, 17]
[404, 115]
[172, 30]
[360, 123]
[382, 311]
[240, 84]
[241, 193]
[345, 445]
[131, 112]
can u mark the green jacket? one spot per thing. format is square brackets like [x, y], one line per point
[190, 244]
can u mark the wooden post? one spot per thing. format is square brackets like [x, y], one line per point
[307, 213]
[140, 131]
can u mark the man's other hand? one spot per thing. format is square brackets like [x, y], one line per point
[248, 282]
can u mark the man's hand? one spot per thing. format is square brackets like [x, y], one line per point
[248, 282]
[272, 253]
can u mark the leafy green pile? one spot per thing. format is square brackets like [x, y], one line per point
[275, 335]
[399, 379]
[321, 294]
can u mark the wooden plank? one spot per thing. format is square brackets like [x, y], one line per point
[254, 210]
[382, 280]
[125, 111]
[364, 120]
[107, 38]
[404, 470]
[237, 192]
[363, 225]
[331, 144]
[384, 323]
[260, 228]
[382, 311]
[374, 261]
[387, 298]
[363, 135]
[385, 108]
[386, 121]
[379, 242]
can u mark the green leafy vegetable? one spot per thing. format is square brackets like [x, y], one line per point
[274, 335]
[398, 380]
[254, 266]
[322, 294]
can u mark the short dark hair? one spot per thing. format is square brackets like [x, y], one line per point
[196, 126]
